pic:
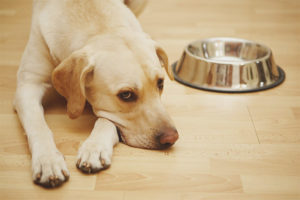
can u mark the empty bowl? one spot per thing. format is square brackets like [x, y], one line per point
[228, 65]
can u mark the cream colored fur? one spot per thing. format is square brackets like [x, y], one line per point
[90, 50]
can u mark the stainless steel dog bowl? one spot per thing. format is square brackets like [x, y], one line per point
[228, 65]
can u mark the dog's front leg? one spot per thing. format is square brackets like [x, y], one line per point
[96, 152]
[48, 165]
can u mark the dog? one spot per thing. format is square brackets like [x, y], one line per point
[92, 51]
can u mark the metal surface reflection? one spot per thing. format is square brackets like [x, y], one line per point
[228, 65]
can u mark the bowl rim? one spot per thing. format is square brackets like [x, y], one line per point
[268, 55]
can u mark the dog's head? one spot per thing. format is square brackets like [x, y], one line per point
[123, 80]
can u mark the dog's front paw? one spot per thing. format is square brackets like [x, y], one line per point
[93, 157]
[49, 169]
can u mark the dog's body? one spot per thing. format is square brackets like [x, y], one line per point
[92, 50]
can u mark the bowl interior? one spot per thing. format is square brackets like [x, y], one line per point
[228, 51]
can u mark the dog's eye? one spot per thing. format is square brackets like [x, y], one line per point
[160, 84]
[127, 96]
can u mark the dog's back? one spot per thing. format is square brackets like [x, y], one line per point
[63, 21]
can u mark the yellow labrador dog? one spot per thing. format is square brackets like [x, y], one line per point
[95, 51]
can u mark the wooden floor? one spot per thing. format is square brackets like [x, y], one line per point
[231, 146]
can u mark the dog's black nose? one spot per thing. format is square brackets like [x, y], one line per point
[168, 137]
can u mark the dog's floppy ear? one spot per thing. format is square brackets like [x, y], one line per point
[68, 79]
[163, 58]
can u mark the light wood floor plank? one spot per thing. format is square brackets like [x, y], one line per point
[272, 184]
